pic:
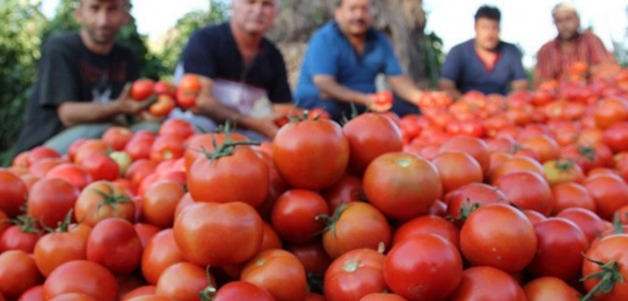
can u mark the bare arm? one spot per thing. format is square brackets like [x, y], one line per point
[330, 89]
[449, 87]
[405, 88]
[72, 112]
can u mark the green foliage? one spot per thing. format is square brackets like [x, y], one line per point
[434, 56]
[19, 50]
[176, 39]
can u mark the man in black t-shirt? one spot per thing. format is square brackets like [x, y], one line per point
[243, 75]
[80, 79]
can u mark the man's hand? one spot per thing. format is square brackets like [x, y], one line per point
[126, 105]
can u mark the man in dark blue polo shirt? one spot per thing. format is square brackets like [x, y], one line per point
[342, 61]
[485, 63]
[242, 73]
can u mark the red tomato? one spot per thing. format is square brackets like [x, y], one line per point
[204, 232]
[73, 297]
[457, 169]
[142, 291]
[161, 252]
[241, 176]
[162, 106]
[568, 195]
[100, 166]
[61, 246]
[41, 152]
[312, 255]
[527, 190]
[72, 173]
[423, 267]
[550, 288]
[382, 297]
[35, 293]
[354, 275]
[488, 284]
[402, 185]
[141, 89]
[103, 199]
[589, 222]
[89, 147]
[187, 90]
[383, 101]
[50, 200]
[499, 236]
[139, 146]
[279, 272]
[462, 200]
[609, 251]
[474, 146]
[321, 148]
[81, 276]
[369, 136]
[294, 215]
[183, 281]
[347, 189]
[242, 290]
[18, 273]
[560, 246]
[138, 170]
[609, 193]
[160, 201]
[13, 191]
[22, 236]
[145, 232]
[165, 87]
[117, 137]
[356, 225]
[115, 245]
[428, 224]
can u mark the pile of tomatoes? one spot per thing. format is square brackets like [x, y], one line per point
[523, 197]
[162, 97]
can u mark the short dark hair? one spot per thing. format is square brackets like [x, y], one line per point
[488, 12]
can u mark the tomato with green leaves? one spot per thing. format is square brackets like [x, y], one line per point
[103, 199]
[605, 268]
[461, 201]
[23, 235]
[50, 199]
[354, 275]
[311, 154]
[184, 281]
[66, 243]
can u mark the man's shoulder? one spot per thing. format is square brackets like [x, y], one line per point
[213, 30]
[462, 47]
[63, 40]
[509, 47]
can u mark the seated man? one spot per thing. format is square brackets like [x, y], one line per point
[342, 61]
[80, 79]
[558, 58]
[241, 72]
[485, 63]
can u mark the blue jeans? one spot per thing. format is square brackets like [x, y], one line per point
[62, 141]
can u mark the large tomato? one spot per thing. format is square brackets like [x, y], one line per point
[294, 215]
[370, 135]
[81, 276]
[205, 233]
[311, 154]
[184, 281]
[187, 90]
[160, 252]
[356, 225]
[18, 273]
[279, 272]
[141, 89]
[13, 191]
[402, 185]
[500, 236]
[610, 252]
[103, 199]
[162, 106]
[160, 201]
[354, 275]
[63, 245]
[560, 247]
[50, 200]
[487, 284]
[610, 193]
[527, 190]
[423, 267]
[457, 169]
[237, 175]
[114, 244]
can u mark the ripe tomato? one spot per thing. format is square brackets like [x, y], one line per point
[294, 215]
[162, 106]
[165, 87]
[160, 252]
[184, 281]
[428, 224]
[22, 236]
[13, 191]
[488, 284]
[167, 147]
[499, 236]
[103, 199]
[609, 251]
[321, 148]
[572, 194]
[40, 152]
[609, 193]
[457, 169]
[187, 90]
[176, 126]
[562, 171]
[423, 267]
[279, 272]
[356, 225]
[527, 190]
[81, 276]
[369, 136]
[550, 288]
[589, 222]
[72, 173]
[242, 290]
[560, 246]
[117, 137]
[18, 273]
[347, 189]
[141, 89]
[354, 275]
[63, 245]
[35, 293]
[383, 102]
[50, 200]
[100, 166]
[464, 198]
[402, 185]
[115, 245]
[473, 146]
[139, 146]
[204, 232]
[160, 201]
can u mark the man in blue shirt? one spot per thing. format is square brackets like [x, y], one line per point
[485, 63]
[342, 61]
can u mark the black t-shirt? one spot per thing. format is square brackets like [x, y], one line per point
[212, 52]
[68, 71]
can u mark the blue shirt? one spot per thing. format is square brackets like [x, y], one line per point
[330, 53]
[464, 67]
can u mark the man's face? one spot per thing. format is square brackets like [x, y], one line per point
[567, 23]
[354, 16]
[102, 19]
[486, 33]
[254, 16]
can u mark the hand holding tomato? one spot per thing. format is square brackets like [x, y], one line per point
[188, 90]
[162, 106]
[142, 89]
[382, 101]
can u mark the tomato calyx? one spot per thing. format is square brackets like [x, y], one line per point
[564, 165]
[227, 147]
[62, 226]
[609, 276]
[330, 221]
[208, 293]
[618, 226]
[26, 223]
[587, 152]
[111, 199]
[465, 210]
